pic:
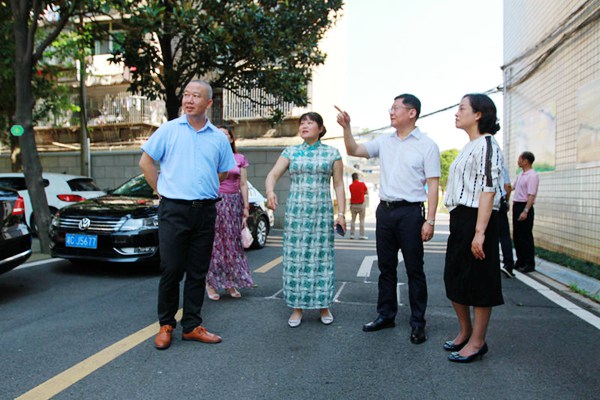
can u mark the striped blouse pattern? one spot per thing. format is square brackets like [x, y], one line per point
[478, 168]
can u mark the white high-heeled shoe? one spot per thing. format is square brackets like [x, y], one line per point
[294, 323]
[327, 319]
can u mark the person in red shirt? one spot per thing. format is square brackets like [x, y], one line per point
[357, 205]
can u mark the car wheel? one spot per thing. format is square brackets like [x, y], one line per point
[260, 233]
[33, 224]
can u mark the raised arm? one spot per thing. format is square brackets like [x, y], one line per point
[352, 148]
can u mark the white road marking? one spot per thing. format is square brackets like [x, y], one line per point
[559, 300]
[274, 296]
[335, 298]
[365, 268]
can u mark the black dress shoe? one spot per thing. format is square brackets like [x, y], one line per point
[455, 357]
[527, 269]
[451, 346]
[379, 324]
[417, 336]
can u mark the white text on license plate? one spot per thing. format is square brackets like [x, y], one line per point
[81, 241]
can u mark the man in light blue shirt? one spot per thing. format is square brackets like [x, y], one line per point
[194, 157]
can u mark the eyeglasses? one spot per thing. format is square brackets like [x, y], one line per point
[396, 108]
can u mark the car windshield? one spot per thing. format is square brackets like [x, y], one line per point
[135, 187]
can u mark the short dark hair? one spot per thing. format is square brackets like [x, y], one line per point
[527, 155]
[229, 130]
[315, 117]
[410, 100]
[354, 176]
[481, 103]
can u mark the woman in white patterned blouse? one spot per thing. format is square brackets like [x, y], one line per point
[472, 273]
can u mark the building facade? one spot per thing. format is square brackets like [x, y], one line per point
[552, 108]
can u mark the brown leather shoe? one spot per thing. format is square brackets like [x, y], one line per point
[200, 334]
[162, 340]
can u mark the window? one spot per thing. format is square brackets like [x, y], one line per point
[83, 185]
[112, 36]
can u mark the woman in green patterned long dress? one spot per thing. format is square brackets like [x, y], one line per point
[308, 235]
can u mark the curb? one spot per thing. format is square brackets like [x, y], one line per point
[567, 276]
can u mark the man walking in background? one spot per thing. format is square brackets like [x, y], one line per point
[358, 190]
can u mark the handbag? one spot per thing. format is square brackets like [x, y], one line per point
[247, 238]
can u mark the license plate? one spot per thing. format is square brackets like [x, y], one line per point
[81, 241]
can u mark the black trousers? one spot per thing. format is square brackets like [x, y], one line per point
[523, 236]
[504, 235]
[186, 237]
[397, 229]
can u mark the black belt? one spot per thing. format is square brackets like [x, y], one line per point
[194, 203]
[401, 203]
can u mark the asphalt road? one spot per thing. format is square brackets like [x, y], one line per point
[85, 332]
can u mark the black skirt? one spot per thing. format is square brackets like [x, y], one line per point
[470, 281]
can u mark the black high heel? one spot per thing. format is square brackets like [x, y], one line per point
[455, 357]
[451, 346]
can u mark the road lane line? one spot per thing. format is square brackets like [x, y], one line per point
[270, 265]
[559, 300]
[275, 295]
[365, 268]
[335, 298]
[65, 379]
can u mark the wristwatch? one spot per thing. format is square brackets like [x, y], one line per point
[431, 222]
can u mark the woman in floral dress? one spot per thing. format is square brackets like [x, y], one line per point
[308, 236]
[228, 265]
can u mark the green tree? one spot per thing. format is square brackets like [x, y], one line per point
[235, 44]
[446, 158]
[35, 25]
[51, 98]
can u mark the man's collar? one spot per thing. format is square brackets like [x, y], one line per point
[415, 132]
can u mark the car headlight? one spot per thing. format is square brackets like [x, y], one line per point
[55, 220]
[136, 224]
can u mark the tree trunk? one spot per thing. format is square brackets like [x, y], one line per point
[172, 103]
[32, 167]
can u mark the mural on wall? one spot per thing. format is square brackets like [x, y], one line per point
[536, 132]
[588, 131]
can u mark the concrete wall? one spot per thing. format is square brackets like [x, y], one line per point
[567, 217]
[112, 168]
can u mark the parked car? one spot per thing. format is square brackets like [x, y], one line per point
[122, 226]
[61, 190]
[15, 237]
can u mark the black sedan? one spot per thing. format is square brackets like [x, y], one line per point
[123, 225]
[15, 237]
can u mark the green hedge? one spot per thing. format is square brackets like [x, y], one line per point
[585, 267]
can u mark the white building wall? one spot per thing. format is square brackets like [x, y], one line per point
[567, 215]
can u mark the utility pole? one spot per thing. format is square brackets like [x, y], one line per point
[84, 137]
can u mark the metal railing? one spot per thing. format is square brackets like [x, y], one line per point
[240, 107]
[126, 108]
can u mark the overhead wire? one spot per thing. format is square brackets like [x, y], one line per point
[488, 92]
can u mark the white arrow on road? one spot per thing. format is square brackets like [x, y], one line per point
[365, 268]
